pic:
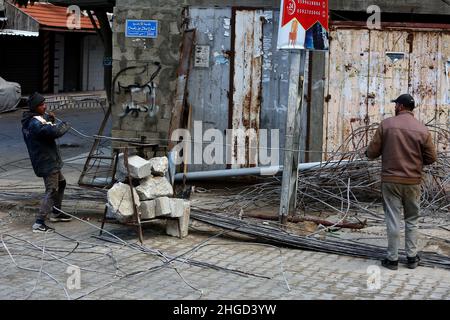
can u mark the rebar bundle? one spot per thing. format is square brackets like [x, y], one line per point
[350, 187]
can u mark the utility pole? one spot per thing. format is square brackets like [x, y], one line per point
[302, 26]
[292, 137]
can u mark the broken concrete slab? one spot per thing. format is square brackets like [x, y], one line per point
[148, 209]
[139, 167]
[179, 227]
[160, 165]
[154, 187]
[120, 202]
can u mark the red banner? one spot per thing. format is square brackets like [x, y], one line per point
[307, 12]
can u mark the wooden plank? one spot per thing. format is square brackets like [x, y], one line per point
[183, 75]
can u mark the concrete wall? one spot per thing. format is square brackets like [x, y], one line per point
[129, 52]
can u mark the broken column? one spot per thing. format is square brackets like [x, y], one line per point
[120, 203]
[179, 226]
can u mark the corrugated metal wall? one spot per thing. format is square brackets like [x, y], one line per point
[364, 75]
[209, 88]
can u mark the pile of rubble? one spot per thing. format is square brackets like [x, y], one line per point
[152, 196]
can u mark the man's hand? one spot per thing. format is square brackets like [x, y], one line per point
[51, 117]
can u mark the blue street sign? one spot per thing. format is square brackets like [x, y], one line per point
[141, 29]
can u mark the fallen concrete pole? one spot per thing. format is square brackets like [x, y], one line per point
[257, 171]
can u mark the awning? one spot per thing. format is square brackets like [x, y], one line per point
[20, 33]
[49, 15]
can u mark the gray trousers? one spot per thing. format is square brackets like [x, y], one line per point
[55, 184]
[398, 198]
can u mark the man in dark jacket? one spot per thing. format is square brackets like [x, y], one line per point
[405, 146]
[39, 132]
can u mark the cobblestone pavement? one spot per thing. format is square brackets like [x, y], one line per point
[36, 266]
[108, 270]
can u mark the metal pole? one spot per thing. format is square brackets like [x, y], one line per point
[256, 171]
[289, 182]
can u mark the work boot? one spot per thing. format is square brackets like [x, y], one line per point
[413, 262]
[393, 265]
[60, 217]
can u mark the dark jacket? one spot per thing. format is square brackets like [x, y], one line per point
[405, 146]
[39, 134]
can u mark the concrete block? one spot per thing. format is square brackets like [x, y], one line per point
[179, 227]
[154, 187]
[120, 202]
[163, 207]
[176, 208]
[148, 209]
[139, 167]
[160, 165]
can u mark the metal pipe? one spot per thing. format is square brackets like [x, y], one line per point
[256, 171]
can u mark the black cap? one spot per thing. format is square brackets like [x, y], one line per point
[405, 99]
[35, 100]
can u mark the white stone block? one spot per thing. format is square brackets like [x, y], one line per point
[179, 227]
[120, 202]
[139, 167]
[154, 187]
[163, 206]
[148, 209]
[176, 208]
[160, 165]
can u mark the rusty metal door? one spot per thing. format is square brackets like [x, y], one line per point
[368, 68]
[347, 86]
[246, 86]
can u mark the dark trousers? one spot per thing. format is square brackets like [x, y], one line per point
[55, 184]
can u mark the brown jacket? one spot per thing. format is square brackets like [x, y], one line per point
[405, 146]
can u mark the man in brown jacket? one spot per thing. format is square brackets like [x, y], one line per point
[405, 146]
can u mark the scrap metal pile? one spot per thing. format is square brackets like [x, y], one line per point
[348, 184]
[345, 187]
